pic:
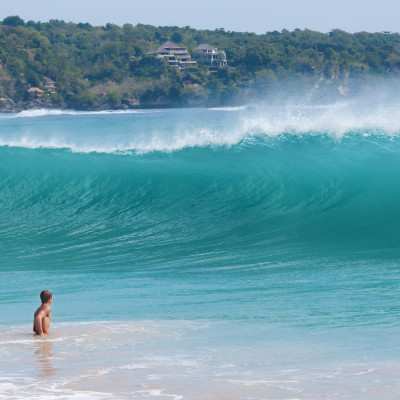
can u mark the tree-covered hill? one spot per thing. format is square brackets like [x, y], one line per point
[107, 66]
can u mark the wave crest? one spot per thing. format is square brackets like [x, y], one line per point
[142, 132]
[45, 112]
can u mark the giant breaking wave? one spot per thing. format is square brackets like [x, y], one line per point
[243, 185]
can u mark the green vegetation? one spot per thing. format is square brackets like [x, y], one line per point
[107, 66]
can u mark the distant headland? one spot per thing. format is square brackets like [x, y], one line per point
[66, 65]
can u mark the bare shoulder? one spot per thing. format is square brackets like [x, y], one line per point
[43, 310]
[38, 310]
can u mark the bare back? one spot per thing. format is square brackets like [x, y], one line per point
[42, 319]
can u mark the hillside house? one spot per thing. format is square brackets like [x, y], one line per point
[210, 55]
[50, 85]
[35, 93]
[175, 55]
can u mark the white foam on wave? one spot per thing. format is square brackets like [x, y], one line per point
[238, 108]
[336, 121]
[45, 112]
[133, 366]
[202, 137]
[153, 143]
[54, 143]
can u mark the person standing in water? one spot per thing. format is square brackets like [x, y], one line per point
[42, 317]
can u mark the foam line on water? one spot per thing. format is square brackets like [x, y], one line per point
[43, 112]
[238, 108]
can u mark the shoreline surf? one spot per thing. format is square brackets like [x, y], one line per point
[146, 359]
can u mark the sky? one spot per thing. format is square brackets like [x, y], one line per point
[257, 16]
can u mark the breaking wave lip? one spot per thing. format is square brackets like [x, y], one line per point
[253, 137]
[252, 128]
[198, 138]
[336, 120]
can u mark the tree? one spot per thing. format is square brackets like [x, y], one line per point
[13, 20]
[177, 37]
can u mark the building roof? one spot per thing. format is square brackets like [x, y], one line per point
[168, 45]
[35, 90]
[48, 80]
[205, 46]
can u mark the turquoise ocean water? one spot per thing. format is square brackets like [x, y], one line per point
[247, 252]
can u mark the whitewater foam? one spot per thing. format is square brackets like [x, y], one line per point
[239, 108]
[244, 126]
[45, 112]
[337, 120]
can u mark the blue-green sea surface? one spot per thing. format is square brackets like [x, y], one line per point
[250, 252]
